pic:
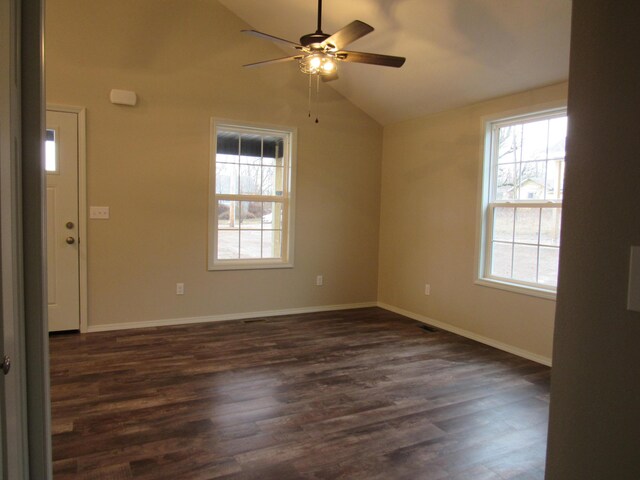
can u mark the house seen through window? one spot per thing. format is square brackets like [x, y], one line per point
[524, 175]
[250, 212]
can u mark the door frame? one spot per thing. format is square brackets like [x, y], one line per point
[14, 447]
[81, 114]
[30, 115]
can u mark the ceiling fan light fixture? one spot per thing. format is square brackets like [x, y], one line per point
[318, 64]
[329, 66]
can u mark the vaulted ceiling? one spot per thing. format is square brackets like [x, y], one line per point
[458, 51]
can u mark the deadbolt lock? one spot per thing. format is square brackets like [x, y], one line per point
[70, 225]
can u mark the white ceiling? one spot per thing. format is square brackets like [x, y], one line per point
[458, 51]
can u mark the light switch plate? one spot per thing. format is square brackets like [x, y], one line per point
[101, 213]
[633, 300]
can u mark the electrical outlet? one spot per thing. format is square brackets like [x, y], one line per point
[319, 280]
[179, 288]
[427, 289]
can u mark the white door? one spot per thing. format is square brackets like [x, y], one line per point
[62, 221]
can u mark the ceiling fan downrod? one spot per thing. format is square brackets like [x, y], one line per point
[314, 40]
[319, 30]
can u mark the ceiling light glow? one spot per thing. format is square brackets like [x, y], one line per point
[318, 64]
[315, 62]
[329, 66]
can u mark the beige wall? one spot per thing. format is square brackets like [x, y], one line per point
[594, 427]
[429, 216]
[150, 163]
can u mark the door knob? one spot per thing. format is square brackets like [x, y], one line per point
[70, 240]
[6, 364]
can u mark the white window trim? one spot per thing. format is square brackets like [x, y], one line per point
[289, 201]
[484, 184]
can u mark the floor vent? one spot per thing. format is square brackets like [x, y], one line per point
[60, 333]
[427, 328]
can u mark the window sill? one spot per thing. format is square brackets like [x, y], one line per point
[248, 266]
[515, 288]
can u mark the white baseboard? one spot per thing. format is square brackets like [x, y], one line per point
[223, 318]
[322, 308]
[466, 333]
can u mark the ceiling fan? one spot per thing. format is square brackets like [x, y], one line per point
[319, 52]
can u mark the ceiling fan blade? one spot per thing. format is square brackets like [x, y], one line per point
[371, 58]
[348, 34]
[275, 60]
[266, 36]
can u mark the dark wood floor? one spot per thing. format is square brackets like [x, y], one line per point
[360, 394]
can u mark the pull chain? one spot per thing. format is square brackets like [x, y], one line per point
[317, 98]
[309, 96]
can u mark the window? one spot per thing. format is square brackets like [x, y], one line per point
[51, 152]
[522, 201]
[251, 197]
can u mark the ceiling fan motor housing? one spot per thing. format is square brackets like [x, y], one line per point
[313, 40]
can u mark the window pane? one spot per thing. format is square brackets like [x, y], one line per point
[503, 224]
[251, 149]
[223, 158]
[527, 225]
[250, 215]
[532, 181]
[273, 150]
[509, 144]
[534, 140]
[250, 241]
[228, 244]
[550, 226]
[250, 160]
[525, 262]
[51, 154]
[272, 244]
[226, 178]
[278, 216]
[268, 180]
[250, 180]
[548, 267]
[275, 219]
[555, 179]
[228, 214]
[227, 147]
[272, 181]
[269, 161]
[272, 215]
[501, 257]
[506, 182]
[557, 137]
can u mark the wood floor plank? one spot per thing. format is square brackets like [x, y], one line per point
[351, 394]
